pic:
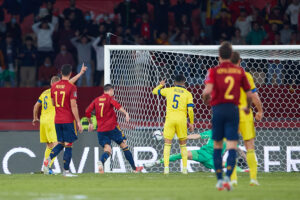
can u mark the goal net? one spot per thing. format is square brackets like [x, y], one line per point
[136, 70]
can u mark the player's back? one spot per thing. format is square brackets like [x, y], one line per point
[62, 92]
[227, 79]
[178, 100]
[48, 110]
[105, 113]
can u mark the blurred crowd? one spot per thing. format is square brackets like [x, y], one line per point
[75, 37]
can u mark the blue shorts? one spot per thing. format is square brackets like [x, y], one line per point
[225, 122]
[66, 132]
[115, 135]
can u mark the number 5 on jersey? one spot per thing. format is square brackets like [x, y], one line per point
[175, 105]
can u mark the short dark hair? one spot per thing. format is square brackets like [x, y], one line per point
[108, 87]
[180, 78]
[225, 50]
[235, 57]
[66, 70]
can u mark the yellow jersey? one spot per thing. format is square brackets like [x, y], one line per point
[179, 99]
[48, 110]
[243, 99]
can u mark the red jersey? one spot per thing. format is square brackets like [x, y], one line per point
[227, 80]
[62, 92]
[105, 113]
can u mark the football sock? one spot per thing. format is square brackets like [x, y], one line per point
[252, 163]
[55, 151]
[67, 156]
[218, 163]
[104, 157]
[231, 161]
[47, 153]
[173, 157]
[129, 157]
[184, 155]
[167, 149]
[234, 174]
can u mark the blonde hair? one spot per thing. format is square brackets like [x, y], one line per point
[54, 79]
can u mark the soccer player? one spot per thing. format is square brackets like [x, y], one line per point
[246, 126]
[179, 101]
[64, 95]
[47, 125]
[222, 89]
[108, 128]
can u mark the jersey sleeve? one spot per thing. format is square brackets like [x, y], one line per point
[40, 99]
[115, 103]
[206, 134]
[164, 92]
[244, 82]
[190, 100]
[210, 76]
[251, 82]
[89, 109]
[73, 94]
[158, 90]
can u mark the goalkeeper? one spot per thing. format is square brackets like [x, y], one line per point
[204, 155]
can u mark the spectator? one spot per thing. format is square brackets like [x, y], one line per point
[145, 28]
[83, 45]
[128, 37]
[186, 26]
[89, 27]
[127, 10]
[293, 11]
[237, 39]
[2, 23]
[283, 5]
[98, 45]
[277, 40]
[63, 36]
[46, 71]
[43, 31]
[73, 12]
[28, 55]
[106, 23]
[2, 68]
[163, 39]
[202, 39]
[256, 36]
[63, 57]
[13, 29]
[9, 51]
[182, 8]
[285, 33]
[294, 39]
[222, 27]
[243, 23]
[236, 7]
[161, 18]
[276, 17]
[271, 34]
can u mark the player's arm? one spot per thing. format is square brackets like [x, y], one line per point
[120, 108]
[82, 71]
[257, 102]
[157, 90]
[246, 86]
[36, 108]
[193, 137]
[209, 85]
[190, 107]
[88, 114]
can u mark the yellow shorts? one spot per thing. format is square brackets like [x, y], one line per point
[177, 126]
[47, 131]
[247, 130]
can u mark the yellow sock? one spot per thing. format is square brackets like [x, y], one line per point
[234, 175]
[167, 150]
[47, 152]
[252, 163]
[184, 155]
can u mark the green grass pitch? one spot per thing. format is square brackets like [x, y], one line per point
[201, 185]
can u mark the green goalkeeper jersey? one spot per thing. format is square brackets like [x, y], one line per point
[209, 147]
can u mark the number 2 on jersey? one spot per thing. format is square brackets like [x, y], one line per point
[230, 80]
[175, 105]
[101, 107]
[63, 93]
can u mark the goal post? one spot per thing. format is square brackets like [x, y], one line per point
[135, 70]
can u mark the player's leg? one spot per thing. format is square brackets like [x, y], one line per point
[217, 136]
[181, 130]
[52, 139]
[105, 143]
[169, 132]
[173, 158]
[69, 137]
[43, 139]
[231, 134]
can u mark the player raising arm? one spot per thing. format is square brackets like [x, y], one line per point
[246, 126]
[108, 128]
[64, 95]
[179, 101]
[222, 85]
[47, 125]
